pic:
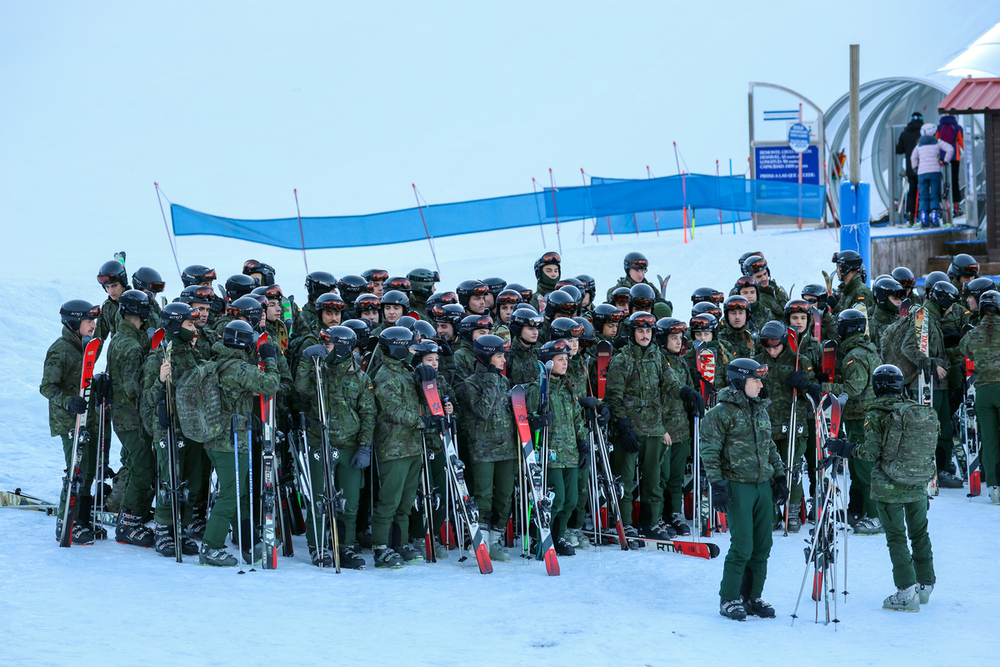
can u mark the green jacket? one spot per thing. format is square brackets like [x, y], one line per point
[879, 319]
[308, 320]
[773, 298]
[488, 416]
[740, 343]
[349, 399]
[736, 440]
[676, 414]
[981, 345]
[107, 322]
[780, 395]
[639, 387]
[567, 423]
[126, 353]
[183, 358]
[240, 383]
[522, 363]
[578, 377]
[855, 294]
[464, 363]
[876, 422]
[857, 358]
[398, 426]
[62, 372]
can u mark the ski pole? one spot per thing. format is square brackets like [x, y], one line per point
[239, 513]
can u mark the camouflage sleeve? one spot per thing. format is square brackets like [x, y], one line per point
[856, 377]
[492, 400]
[265, 382]
[151, 385]
[712, 436]
[366, 410]
[393, 406]
[870, 448]
[614, 389]
[128, 373]
[966, 346]
[910, 348]
[670, 386]
[305, 379]
[52, 374]
[774, 458]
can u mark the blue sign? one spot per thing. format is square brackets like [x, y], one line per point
[798, 138]
[781, 163]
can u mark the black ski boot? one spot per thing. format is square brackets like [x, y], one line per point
[350, 559]
[679, 524]
[130, 530]
[85, 517]
[81, 534]
[164, 544]
[564, 548]
[216, 557]
[326, 560]
[732, 609]
[758, 607]
[196, 529]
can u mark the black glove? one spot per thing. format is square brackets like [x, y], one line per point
[694, 400]
[589, 405]
[161, 413]
[780, 488]
[424, 373]
[604, 416]
[362, 458]
[629, 440]
[720, 496]
[446, 350]
[78, 405]
[433, 423]
[952, 337]
[314, 352]
[822, 377]
[268, 351]
[538, 422]
[830, 460]
[101, 388]
[832, 301]
[797, 380]
[840, 447]
[815, 393]
[583, 449]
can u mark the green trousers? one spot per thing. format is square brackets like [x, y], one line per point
[672, 478]
[138, 459]
[88, 464]
[898, 520]
[651, 471]
[750, 516]
[564, 483]
[223, 515]
[861, 500]
[399, 479]
[988, 419]
[348, 481]
[494, 490]
[189, 465]
[578, 518]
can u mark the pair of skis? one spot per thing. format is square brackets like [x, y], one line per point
[925, 373]
[268, 476]
[73, 481]
[330, 501]
[970, 430]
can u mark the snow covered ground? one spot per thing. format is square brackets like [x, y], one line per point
[124, 605]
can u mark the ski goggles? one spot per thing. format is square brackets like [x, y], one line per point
[273, 292]
[447, 298]
[156, 286]
[526, 294]
[969, 270]
[481, 322]
[253, 266]
[642, 321]
[638, 265]
[642, 303]
[745, 281]
[575, 332]
[550, 258]
[509, 299]
[378, 276]
[91, 314]
[798, 306]
[399, 284]
[338, 304]
[107, 279]
[737, 303]
[621, 298]
[366, 303]
[757, 265]
[761, 371]
[201, 294]
[568, 307]
[673, 328]
[703, 322]
[908, 283]
[615, 317]
[771, 343]
[481, 289]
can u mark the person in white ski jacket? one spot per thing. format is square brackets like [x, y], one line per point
[926, 160]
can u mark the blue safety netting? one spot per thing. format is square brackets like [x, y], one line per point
[660, 201]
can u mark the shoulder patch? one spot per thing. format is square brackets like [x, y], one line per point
[850, 362]
[861, 298]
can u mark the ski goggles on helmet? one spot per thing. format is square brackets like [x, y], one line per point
[201, 294]
[479, 290]
[156, 286]
[108, 279]
[621, 298]
[736, 303]
[761, 372]
[798, 306]
[771, 343]
[482, 322]
[642, 321]
[526, 294]
[367, 303]
[642, 303]
[615, 317]
[969, 270]
[273, 292]
[399, 284]
[638, 265]
[550, 258]
[253, 266]
[568, 307]
[379, 276]
[675, 328]
[742, 282]
[91, 314]
[757, 265]
[339, 305]
[447, 298]
[509, 299]
[908, 283]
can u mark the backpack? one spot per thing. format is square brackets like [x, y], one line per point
[947, 133]
[908, 444]
[198, 403]
[891, 347]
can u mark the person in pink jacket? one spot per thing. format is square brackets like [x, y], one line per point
[926, 160]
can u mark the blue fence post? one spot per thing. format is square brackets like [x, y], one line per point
[855, 213]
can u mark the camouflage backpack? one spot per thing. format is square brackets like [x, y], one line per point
[891, 347]
[908, 444]
[199, 405]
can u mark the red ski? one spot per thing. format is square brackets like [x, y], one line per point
[541, 500]
[74, 480]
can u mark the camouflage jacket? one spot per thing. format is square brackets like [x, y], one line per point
[773, 298]
[857, 359]
[935, 341]
[418, 305]
[446, 364]
[625, 281]
[810, 349]
[639, 386]
[577, 374]
[464, 363]
[855, 294]
[398, 426]
[309, 322]
[62, 372]
[828, 326]
[206, 339]
[981, 346]
[488, 416]
[126, 353]
[183, 358]
[780, 394]
[240, 382]
[349, 399]
[877, 421]
[740, 344]
[878, 320]
[567, 423]
[107, 322]
[736, 440]
[522, 363]
[676, 413]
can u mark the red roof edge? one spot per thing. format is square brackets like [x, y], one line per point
[973, 96]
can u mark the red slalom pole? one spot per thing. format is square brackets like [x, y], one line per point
[301, 233]
[430, 242]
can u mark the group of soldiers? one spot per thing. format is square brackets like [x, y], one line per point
[358, 351]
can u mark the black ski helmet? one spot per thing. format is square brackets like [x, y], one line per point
[495, 285]
[443, 298]
[709, 308]
[754, 264]
[641, 320]
[886, 287]
[197, 294]
[239, 285]
[471, 323]
[238, 335]
[847, 261]
[319, 283]
[605, 313]
[422, 281]
[573, 291]
[73, 312]
[619, 296]
[745, 255]
[963, 266]
[112, 271]
[395, 298]
[704, 322]
[266, 271]
[852, 321]
[248, 307]
[399, 284]
[197, 274]
[424, 347]
[451, 313]
[174, 315]
[989, 302]
[352, 286]
[344, 339]
[736, 302]
[545, 260]
[560, 304]
[589, 286]
[944, 294]
[408, 322]
[330, 301]
[362, 330]
[395, 342]
[552, 349]
[484, 347]
[798, 306]
[365, 303]
[509, 297]
[423, 329]
[565, 327]
[816, 291]
[524, 316]
[904, 277]
[635, 260]
[703, 294]
[375, 275]
[470, 288]
[773, 331]
[977, 287]
[666, 326]
[134, 302]
[587, 338]
[887, 379]
[641, 297]
[525, 293]
[740, 370]
[148, 280]
[747, 282]
[932, 279]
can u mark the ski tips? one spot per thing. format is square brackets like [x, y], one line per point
[551, 563]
